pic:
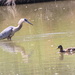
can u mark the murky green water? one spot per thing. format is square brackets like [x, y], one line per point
[33, 49]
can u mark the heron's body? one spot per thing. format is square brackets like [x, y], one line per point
[10, 31]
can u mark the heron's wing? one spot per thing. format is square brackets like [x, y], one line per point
[6, 32]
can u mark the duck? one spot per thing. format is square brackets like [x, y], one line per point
[66, 50]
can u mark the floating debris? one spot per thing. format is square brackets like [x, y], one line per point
[35, 9]
[40, 8]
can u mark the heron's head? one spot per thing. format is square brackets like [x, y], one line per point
[25, 20]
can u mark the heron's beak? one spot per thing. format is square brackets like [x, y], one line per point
[29, 22]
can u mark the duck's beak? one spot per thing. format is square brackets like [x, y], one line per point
[57, 48]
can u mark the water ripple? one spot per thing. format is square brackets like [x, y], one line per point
[38, 36]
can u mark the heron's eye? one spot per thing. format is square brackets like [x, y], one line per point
[25, 19]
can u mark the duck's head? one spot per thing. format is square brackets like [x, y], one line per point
[60, 47]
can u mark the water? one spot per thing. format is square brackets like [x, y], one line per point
[33, 49]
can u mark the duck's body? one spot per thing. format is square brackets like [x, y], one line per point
[66, 50]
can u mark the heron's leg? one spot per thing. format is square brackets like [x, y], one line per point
[9, 38]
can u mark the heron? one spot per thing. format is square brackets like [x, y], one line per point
[8, 32]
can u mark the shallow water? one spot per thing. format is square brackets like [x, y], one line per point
[33, 49]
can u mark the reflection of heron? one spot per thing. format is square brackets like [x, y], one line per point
[11, 47]
[9, 31]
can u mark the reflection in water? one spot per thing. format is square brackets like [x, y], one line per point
[61, 57]
[12, 10]
[11, 47]
[40, 36]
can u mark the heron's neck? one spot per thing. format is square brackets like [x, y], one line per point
[19, 27]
